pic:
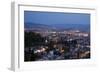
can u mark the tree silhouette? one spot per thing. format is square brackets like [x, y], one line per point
[31, 39]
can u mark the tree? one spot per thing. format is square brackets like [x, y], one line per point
[31, 39]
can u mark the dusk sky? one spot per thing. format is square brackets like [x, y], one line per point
[50, 18]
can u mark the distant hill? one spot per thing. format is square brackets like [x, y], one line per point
[57, 27]
[80, 27]
[36, 26]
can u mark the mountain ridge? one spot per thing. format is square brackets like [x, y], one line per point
[37, 26]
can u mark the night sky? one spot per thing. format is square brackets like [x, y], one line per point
[50, 18]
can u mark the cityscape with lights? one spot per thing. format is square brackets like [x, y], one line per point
[56, 36]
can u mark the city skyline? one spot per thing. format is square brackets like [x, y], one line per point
[56, 36]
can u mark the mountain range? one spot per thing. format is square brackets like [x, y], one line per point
[57, 27]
